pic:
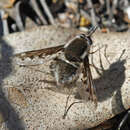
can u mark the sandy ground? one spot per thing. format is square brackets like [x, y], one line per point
[27, 104]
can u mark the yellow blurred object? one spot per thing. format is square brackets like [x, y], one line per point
[54, 1]
[12, 1]
[6, 15]
[10, 5]
[84, 22]
[127, 19]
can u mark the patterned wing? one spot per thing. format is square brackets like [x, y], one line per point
[40, 53]
[36, 57]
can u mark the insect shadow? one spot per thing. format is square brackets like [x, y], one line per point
[110, 79]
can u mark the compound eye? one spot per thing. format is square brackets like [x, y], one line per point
[82, 36]
[87, 38]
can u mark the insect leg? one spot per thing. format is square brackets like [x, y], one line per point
[96, 50]
[88, 81]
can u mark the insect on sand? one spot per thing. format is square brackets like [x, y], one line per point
[66, 71]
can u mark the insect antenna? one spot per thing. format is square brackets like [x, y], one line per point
[92, 30]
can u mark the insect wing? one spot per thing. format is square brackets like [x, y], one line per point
[36, 57]
[88, 81]
[41, 52]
